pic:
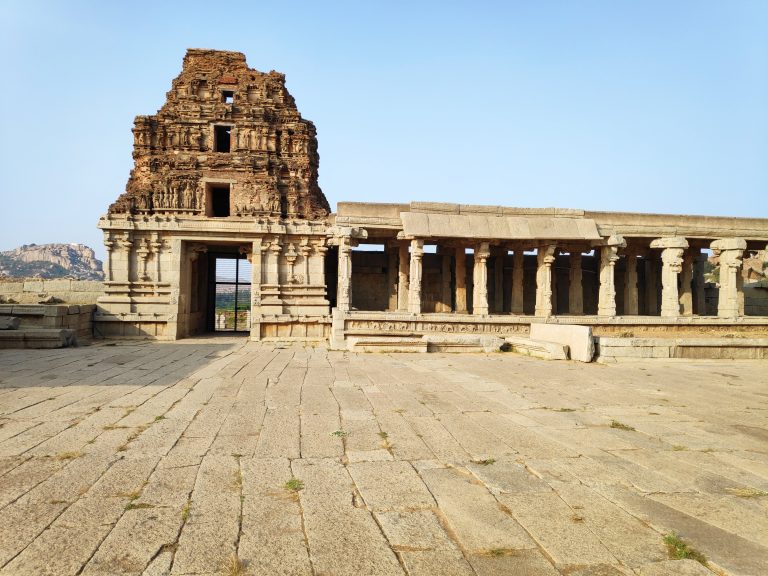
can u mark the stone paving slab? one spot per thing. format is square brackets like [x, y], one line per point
[190, 458]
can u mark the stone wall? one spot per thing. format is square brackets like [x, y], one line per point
[32, 291]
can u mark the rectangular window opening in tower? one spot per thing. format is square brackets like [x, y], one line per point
[228, 96]
[221, 138]
[217, 205]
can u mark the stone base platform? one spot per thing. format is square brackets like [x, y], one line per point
[613, 349]
[37, 338]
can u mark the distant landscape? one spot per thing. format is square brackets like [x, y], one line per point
[51, 261]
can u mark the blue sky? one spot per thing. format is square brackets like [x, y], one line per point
[647, 106]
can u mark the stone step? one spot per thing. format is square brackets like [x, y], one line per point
[463, 343]
[386, 344]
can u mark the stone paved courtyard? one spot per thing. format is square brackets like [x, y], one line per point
[214, 455]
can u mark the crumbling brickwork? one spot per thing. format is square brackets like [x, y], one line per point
[225, 126]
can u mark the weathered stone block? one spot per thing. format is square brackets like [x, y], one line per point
[9, 322]
[579, 339]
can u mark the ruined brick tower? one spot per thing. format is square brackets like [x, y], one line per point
[228, 141]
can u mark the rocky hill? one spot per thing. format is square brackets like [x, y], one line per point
[51, 261]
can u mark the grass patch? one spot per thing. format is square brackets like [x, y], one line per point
[131, 495]
[678, 549]
[679, 448]
[68, 455]
[185, 511]
[158, 418]
[339, 433]
[294, 485]
[138, 506]
[57, 502]
[113, 427]
[486, 462]
[565, 409]
[746, 492]
[621, 426]
[498, 552]
[234, 566]
[383, 435]
[237, 480]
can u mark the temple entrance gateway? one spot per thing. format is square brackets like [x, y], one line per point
[229, 294]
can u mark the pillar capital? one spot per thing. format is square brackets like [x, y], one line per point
[729, 244]
[674, 242]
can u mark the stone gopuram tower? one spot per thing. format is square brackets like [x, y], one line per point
[222, 222]
[224, 121]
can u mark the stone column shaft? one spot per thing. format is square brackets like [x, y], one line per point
[609, 255]
[403, 272]
[256, 272]
[392, 277]
[414, 291]
[344, 290]
[575, 288]
[631, 300]
[545, 258]
[651, 284]
[672, 264]
[480, 275]
[445, 277]
[699, 296]
[461, 280]
[518, 277]
[686, 284]
[498, 281]
[730, 252]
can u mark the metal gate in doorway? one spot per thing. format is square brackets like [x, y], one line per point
[229, 308]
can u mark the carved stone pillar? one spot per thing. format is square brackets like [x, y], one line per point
[518, 279]
[273, 267]
[403, 272]
[290, 257]
[156, 246]
[631, 299]
[344, 290]
[686, 284]
[498, 280]
[480, 275]
[575, 288]
[109, 244]
[392, 277]
[609, 255]
[414, 290]
[544, 260]
[461, 280]
[320, 251]
[445, 280]
[699, 295]
[730, 252]
[305, 250]
[257, 249]
[651, 284]
[672, 264]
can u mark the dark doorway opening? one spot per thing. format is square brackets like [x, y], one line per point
[229, 294]
[222, 138]
[332, 274]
